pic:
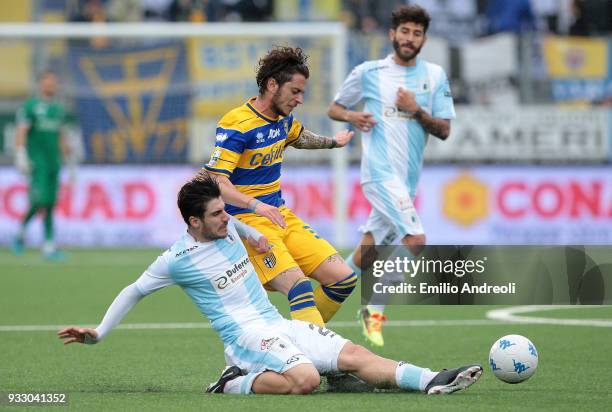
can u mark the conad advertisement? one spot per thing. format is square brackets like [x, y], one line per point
[136, 206]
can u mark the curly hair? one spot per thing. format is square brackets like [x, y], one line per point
[280, 64]
[413, 14]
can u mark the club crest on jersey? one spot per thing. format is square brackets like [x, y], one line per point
[230, 238]
[286, 126]
[269, 260]
[259, 138]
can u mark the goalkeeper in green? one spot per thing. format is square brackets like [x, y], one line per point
[39, 145]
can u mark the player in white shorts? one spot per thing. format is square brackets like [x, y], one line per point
[406, 98]
[265, 353]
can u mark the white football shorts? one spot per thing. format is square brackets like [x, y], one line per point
[393, 213]
[284, 346]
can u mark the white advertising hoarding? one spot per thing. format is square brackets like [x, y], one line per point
[525, 134]
[136, 206]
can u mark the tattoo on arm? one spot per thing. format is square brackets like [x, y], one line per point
[438, 127]
[335, 258]
[310, 140]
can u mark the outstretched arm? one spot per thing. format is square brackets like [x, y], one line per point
[120, 307]
[311, 140]
[234, 197]
[258, 241]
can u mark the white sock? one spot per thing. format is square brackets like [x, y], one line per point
[411, 377]
[48, 247]
[242, 384]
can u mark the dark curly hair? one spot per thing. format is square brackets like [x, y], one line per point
[280, 64]
[413, 14]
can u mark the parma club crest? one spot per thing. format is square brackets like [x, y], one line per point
[269, 260]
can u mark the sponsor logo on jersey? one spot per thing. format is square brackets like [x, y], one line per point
[274, 133]
[395, 113]
[214, 158]
[269, 260]
[184, 252]
[267, 159]
[233, 275]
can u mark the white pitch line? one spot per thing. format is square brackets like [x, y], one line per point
[202, 325]
[509, 315]
[495, 317]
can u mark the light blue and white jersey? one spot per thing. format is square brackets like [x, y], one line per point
[219, 278]
[395, 146]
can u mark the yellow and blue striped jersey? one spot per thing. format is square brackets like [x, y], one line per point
[249, 150]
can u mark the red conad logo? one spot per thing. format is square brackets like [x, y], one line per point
[550, 199]
[136, 201]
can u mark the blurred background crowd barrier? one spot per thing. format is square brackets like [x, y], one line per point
[527, 162]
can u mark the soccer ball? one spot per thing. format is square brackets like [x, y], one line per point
[513, 358]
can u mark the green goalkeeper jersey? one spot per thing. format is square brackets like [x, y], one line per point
[45, 119]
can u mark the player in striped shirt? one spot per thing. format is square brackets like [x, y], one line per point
[406, 99]
[248, 155]
[265, 353]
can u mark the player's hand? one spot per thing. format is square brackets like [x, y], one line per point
[406, 101]
[271, 213]
[74, 334]
[261, 245]
[361, 120]
[21, 160]
[343, 137]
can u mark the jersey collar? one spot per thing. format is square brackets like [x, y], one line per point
[250, 106]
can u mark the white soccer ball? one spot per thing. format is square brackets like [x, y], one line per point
[513, 358]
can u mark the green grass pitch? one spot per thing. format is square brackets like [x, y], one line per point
[166, 369]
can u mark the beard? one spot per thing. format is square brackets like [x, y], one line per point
[276, 108]
[210, 235]
[405, 57]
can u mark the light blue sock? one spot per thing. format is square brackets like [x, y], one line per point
[411, 377]
[352, 265]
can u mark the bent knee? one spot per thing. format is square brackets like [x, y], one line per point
[352, 357]
[305, 382]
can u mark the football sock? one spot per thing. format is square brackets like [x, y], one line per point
[411, 377]
[302, 303]
[48, 223]
[352, 265]
[329, 298]
[242, 384]
[376, 308]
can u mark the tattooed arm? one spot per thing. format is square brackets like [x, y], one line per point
[406, 102]
[311, 140]
[437, 127]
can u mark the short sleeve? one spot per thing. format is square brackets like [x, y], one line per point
[442, 104]
[229, 145]
[351, 91]
[295, 130]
